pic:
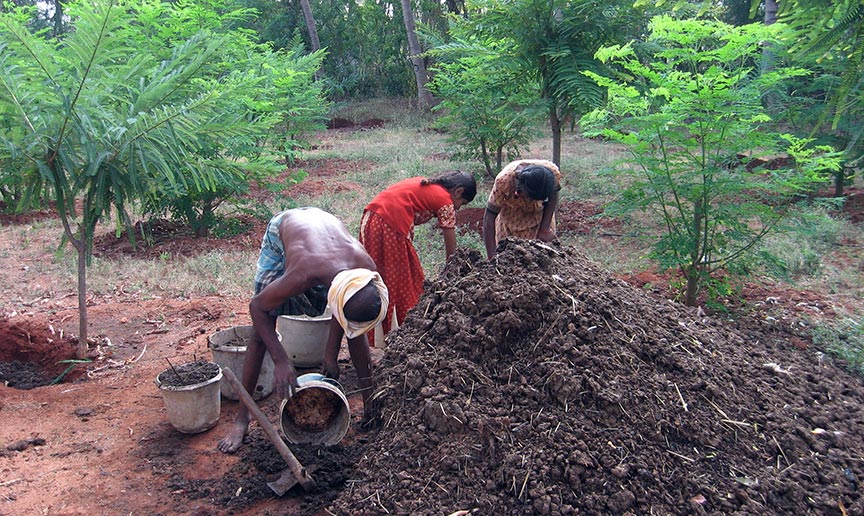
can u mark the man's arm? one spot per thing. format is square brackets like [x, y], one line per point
[270, 298]
[361, 357]
[331, 350]
[489, 217]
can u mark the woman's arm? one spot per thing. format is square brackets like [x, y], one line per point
[449, 241]
[489, 229]
[544, 232]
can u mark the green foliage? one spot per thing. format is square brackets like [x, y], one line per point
[830, 34]
[550, 44]
[121, 110]
[364, 42]
[686, 116]
[488, 109]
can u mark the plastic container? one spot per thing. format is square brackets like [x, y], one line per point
[192, 408]
[304, 338]
[318, 413]
[229, 350]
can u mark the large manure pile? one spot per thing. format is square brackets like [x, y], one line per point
[538, 384]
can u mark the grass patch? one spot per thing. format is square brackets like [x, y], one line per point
[844, 338]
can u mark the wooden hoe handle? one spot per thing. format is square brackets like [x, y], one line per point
[293, 464]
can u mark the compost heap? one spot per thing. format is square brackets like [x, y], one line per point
[538, 384]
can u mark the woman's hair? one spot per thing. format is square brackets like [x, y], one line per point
[537, 181]
[455, 179]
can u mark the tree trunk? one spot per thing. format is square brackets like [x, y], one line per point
[310, 25]
[770, 12]
[693, 271]
[839, 181]
[555, 124]
[768, 55]
[310, 28]
[424, 96]
[81, 350]
[487, 162]
[692, 287]
[58, 18]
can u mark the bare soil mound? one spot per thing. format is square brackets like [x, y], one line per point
[32, 355]
[538, 384]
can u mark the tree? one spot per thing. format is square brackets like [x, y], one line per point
[685, 117]
[365, 43]
[101, 124]
[486, 108]
[311, 28]
[833, 32]
[415, 55]
[553, 42]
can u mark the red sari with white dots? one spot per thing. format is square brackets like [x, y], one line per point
[387, 232]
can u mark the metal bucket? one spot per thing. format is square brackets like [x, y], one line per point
[317, 413]
[304, 338]
[229, 350]
[192, 408]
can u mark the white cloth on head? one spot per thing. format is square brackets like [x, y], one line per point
[344, 286]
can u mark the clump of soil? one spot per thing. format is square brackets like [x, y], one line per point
[190, 373]
[311, 409]
[538, 384]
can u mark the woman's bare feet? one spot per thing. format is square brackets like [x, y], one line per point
[232, 442]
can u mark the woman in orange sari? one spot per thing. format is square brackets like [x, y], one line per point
[387, 232]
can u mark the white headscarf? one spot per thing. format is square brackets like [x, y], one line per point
[346, 284]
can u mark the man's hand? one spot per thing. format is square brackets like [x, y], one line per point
[546, 235]
[284, 379]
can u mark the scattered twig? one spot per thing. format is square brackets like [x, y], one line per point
[544, 246]
[772, 366]
[681, 456]
[781, 451]
[141, 355]
[524, 483]
[683, 403]
[175, 371]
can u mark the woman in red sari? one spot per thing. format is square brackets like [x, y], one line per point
[387, 232]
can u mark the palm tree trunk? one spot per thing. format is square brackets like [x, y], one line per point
[555, 124]
[310, 28]
[424, 96]
[768, 53]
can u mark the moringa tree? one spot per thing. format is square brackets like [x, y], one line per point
[685, 113]
[489, 113]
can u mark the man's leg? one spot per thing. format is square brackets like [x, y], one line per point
[251, 369]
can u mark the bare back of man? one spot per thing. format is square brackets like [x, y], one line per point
[317, 246]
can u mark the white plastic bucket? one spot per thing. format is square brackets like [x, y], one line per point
[192, 408]
[229, 350]
[304, 338]
[318, 413]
